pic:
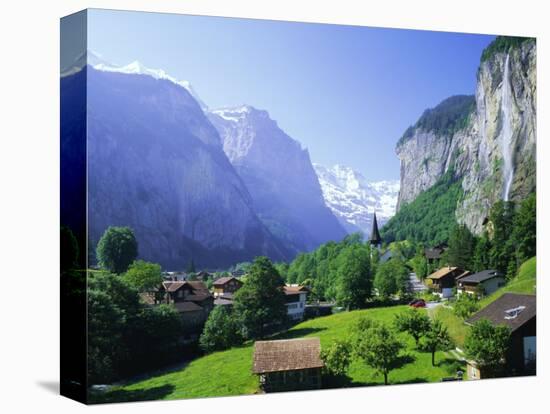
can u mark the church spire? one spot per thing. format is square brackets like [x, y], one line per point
[375, 238]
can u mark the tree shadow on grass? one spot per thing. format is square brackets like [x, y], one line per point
[297, 333]
[123, 395]
[450, 365]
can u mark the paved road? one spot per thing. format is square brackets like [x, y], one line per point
[415, 284]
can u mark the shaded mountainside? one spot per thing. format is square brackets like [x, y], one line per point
[156, 164]
[279, 175]
[487, 141]
[353, 199]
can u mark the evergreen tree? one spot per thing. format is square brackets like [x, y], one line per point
[482, 253]
[461, 247]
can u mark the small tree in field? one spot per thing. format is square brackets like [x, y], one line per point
[116, 249]
[414, 322]
[436, 338]
[487, 345]
[465, 305]
[380, 348]
[221, 331]
[337, 357]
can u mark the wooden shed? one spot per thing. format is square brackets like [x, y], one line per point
[288, 365]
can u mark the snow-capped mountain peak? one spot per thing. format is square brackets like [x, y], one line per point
[353, 199]
[95, 60]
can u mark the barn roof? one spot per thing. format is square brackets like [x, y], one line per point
[287, 355]
[511, 309]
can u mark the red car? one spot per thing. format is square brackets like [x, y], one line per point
[418, 303]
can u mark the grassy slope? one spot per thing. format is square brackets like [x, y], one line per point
[229, 372]
[524, 282]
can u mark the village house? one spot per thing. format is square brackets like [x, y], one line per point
[192, 300]
[442, 281]
[480, 283]
[288, 365]
[434, 254]
[226, 286]
[295, 301]
[519, 313]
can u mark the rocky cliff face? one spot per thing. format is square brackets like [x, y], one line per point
[492, 149]
[279, 175]
[156, 164]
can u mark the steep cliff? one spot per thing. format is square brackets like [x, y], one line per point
[279, 175]
[156, 164]
[487, 141]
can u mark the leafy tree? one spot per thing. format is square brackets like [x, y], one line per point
[261, 301]
[461, 247]
[414, 322]
[524, 234]
[436, 338]
[354, 278]
[116, 249]
[125, 336]
[337, 357]
[419, 263]
[380, 348]
[143, 276]
[391, 278]
[488, 345]
[465, 305]
[221, 331]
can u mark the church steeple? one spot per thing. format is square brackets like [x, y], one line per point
[375, 238]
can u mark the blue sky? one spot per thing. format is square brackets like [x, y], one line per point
[347, 93]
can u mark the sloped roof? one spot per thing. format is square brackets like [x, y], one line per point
[444, 271]
[434, 253]
[187, 307]
[375, 234]
[223, 280]
[511, 309]
[286, 355]
[172, 286]
[294, 290]
[481, 276]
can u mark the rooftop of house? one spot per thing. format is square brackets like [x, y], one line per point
[480, 276]
[187, 307]
[197, 286]
[222, 301]
[433, 253]
[444, 271]
[287, 355]
[224, 280]
[511, 309]
[294, 289]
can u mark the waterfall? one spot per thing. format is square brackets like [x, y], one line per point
[506, 132]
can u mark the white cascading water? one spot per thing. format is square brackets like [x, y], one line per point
[506, 132]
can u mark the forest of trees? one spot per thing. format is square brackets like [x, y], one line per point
[449, 116]
[430, 217]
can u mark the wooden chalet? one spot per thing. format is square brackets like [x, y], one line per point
[435, 253]
[443, 281]
[480, 283]
[288, 365]
[519, 313]
[193, 301]
[226, 285]
[295, 299]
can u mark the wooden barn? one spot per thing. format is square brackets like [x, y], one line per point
[288, 365]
